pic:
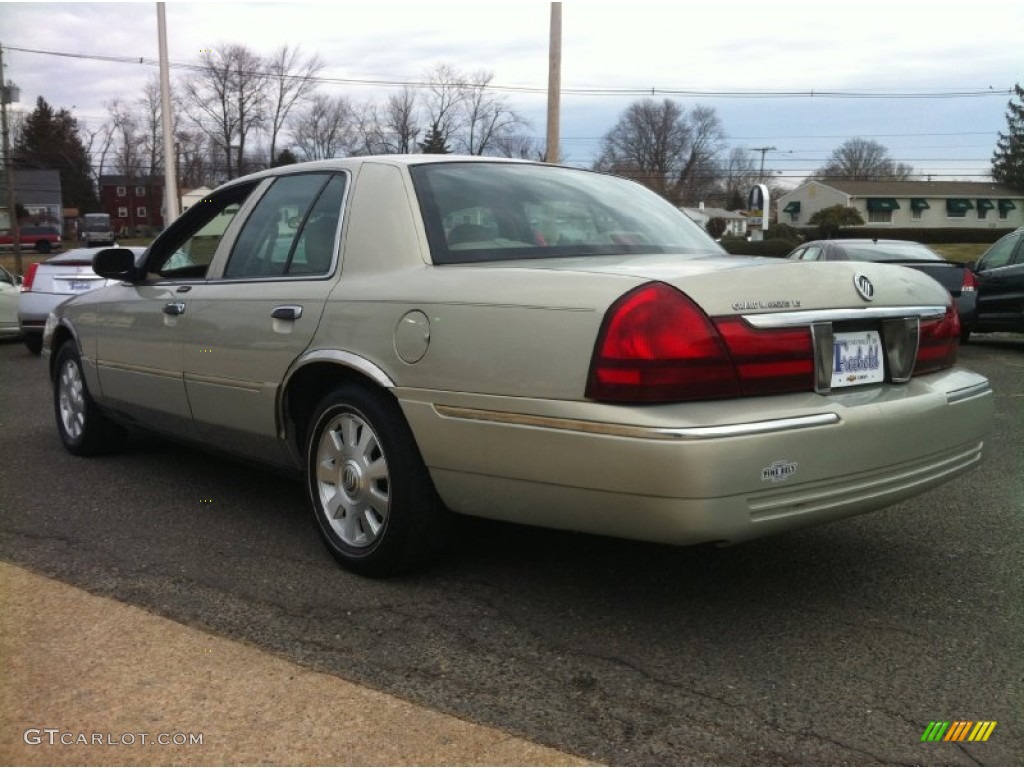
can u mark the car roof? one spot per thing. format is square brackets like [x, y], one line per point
[863, 241]
[353, 163]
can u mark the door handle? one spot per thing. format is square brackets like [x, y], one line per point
[174, 308]
[287, 312]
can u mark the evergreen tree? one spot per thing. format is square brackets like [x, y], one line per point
[49, 140]
[434, 142]
[284, 157]
[1008, 158]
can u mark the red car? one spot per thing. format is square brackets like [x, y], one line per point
[43, 239]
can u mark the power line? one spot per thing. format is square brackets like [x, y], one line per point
[922, 93]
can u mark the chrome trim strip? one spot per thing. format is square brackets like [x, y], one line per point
[221, 381]
[347, 359]
[161, 372]
[968, 393]
[636, 431]
[809, 316]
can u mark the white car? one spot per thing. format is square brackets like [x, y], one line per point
[8, 304]
[50, 282]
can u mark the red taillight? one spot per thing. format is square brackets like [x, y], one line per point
[970, 281]
[656, 345]
[938, 342]
[769, 361]
[26, 283]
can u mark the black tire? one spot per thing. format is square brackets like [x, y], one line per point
[34, 342]
[43, 246]
[361, 454]
[83, 428]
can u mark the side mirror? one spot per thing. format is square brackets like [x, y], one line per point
[115, 264]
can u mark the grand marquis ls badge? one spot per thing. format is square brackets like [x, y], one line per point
[864, 286]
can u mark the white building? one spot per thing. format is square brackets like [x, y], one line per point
[908, 204]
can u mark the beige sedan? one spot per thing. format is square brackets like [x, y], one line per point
[427, 335]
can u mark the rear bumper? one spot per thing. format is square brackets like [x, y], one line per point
[685, 474]
[35, 306]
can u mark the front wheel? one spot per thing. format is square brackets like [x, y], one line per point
[83, 428]
[372, 497]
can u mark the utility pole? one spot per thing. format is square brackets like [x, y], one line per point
[762, 150]
[170, 159]
[6, 97]
[554, 83]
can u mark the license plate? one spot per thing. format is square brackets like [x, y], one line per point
[81, 285]
[857, 359]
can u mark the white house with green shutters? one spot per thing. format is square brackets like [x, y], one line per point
[908, 204]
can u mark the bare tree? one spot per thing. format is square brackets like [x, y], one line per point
[98, 143]
[194, 157]
[737, 174]
[327, 127]
[444, 103]
[665, 148]
[860, 159]
[487, 116]
[126, 138]
[226, 98]
[520, 145]
[398, 124]
[292, 81]
[152, 126]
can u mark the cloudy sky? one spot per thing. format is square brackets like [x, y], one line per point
[927, 79]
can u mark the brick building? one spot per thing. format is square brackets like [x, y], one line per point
[135, 204]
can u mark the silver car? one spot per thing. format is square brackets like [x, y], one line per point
[50, 282]
[428, 335]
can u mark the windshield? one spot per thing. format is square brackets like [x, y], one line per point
[495, 212]
[890, 252]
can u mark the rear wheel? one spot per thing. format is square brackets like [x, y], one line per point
[83, 428]
[373, 500]
[34, 342]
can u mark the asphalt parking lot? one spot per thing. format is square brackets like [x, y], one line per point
[835, 645]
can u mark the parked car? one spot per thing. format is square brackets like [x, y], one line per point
[42, 239]
[8, 304]
[1000, 274]
[958, 279]
[50, 282]
[395, 329]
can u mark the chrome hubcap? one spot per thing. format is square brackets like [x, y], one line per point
[71, 400]
[352, 480]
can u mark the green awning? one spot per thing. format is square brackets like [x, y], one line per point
[985, 204]
[1006, 205]
[958, 205]
[882, 204]
[792, 207]
[919, 204]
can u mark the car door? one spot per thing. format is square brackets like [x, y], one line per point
[258, 313]
[139, 326]
[1000, 274]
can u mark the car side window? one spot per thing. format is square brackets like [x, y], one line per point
[188, 247]
[812, 253]
[1000, 254]
[292, 229]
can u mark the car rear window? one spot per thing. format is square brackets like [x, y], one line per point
[890, 252]
[483, 211]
